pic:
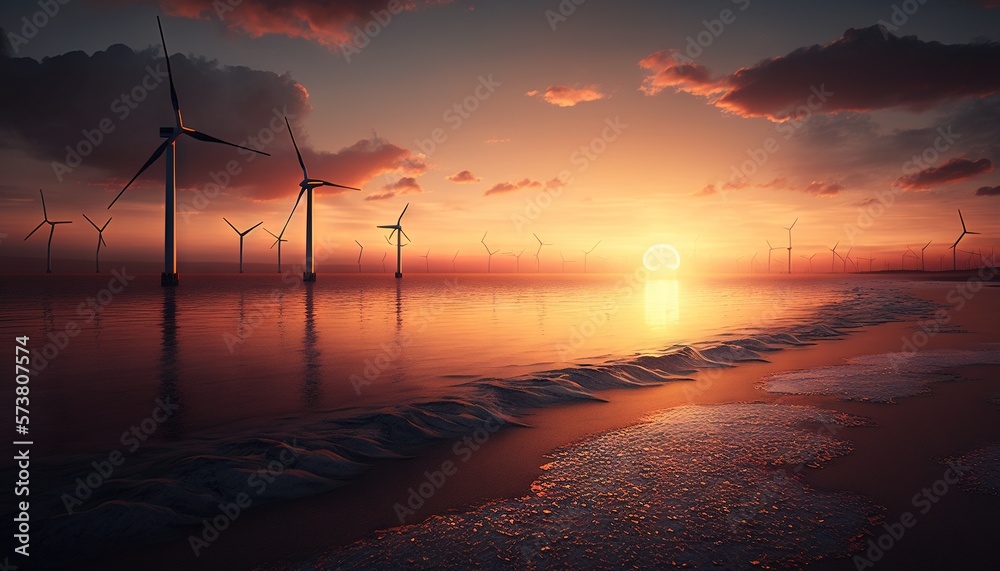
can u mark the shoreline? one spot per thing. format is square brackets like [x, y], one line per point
[509, 461]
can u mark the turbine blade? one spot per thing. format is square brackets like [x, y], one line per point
[358, 243]
[537, 238]
[404, 235]
[285, 227]
[252, 227]
[152, 159]
[271, 233]
[400, 219]
[297, 153]
[44, 211]
[231, 225]
[35, 230]
[170, 74]
[210, 139]
[103, 242]
[328, 183]
[105, 224]
[92, 223]
[962, 219]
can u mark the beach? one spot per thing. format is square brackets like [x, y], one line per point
[900, 451]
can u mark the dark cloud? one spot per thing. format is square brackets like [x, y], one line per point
[463, 177]
[126, 94]
[988, 191]
[863, 70]
[824, 189]
[955, 170]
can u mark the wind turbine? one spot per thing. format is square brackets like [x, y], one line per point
[100, 241]
[360, 254]
[277, 241]
[169, 276]
[847, 258]
[242, 235]
[565, 261]
[489, 261]
[954, 251]
[306, 187]
[453, 267]
[923, 266]
[911, 253]
[790, 244]
[833, 259]
[587, 253]
[516, 257]
[752, 260]
[770, 249]
[52, 230]
[810, 258]
[427, 260]
[538, 260]
[397, 229]
[738, 263]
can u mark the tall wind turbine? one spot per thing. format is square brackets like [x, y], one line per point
[100, 241]
[489, 261]
[277, 242]
[790, 244]
[306, 187]
[360, 254]
[169, 276]
[770, 249]
[242, 235]
[954, 251]
[538, 259]
[923, 251]
[587, 253]
[52, 230]
[833, 259]
[397, 229]
[427, 260]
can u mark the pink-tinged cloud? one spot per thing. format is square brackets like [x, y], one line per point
[566, 96]
[988, 191]
[955, 170]
[405, 185]
[505, 187]
[863, 70]
[463, 177]
[824, 189]
[780, 182]
[713, 189]
[333, 24]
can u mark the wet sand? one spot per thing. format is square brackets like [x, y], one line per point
[891, 461]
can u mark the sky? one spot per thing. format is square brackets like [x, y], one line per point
[710, 126]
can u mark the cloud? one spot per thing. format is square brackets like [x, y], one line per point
[331, 24]
[988, 191]
[860, 71]
[713, 189]
[125, 92]
[496, 141]
[405, 185]
[566, 96]
[952, 171]
[780, 182]
[463, 177]
[504, 187]
[824, 189]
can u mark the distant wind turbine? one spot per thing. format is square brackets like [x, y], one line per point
[923, 263]
[909, 252]
[587, 253]
[100, 241]
[790, 244]
[833, 260]
[360, 254]
[770, 249]
[242, 235]
[306, 187]
[52, 230]
[169, 276]
[738, 263]
[847, 258]
[538, 260]
[427, 260]
[565, 261]
[454, 268]
[397, 229]
[810, 258]
[752, 260]
[277, 242]
[489, 261]
[954, 250]
[516, 257]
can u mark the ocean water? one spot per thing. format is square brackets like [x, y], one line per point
[355, 369]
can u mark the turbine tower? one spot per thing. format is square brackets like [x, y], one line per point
[833, 258]
[306, 187]
[242, 235]
[770, 249]
[100, 241]
[489, 260]
[923, 251]
[52, 230]
[587, 253]
[954, 251]
[397, 229]
[169, 276]
[538, 259]
[790, 244]
[360, 254]
[277, 241]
